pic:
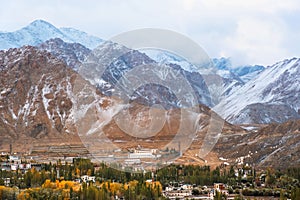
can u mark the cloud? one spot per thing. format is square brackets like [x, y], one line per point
[257, 41]
[250, 31]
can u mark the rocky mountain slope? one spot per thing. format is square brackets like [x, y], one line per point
[42, 100]
[39, 99]
[73, 54]
[261, 112]
[115, 63]
[28, 105]
[247, 73]
[232, 77]
[44, 103]
[275, 145]
[273, 96]
[40, 31]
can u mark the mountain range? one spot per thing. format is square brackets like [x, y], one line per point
[252, 94]
[50, 91]
[244, 96]
[40, 31]
[46, 103]
[272, 96]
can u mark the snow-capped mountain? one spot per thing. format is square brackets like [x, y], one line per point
[81, 37]
[273, 96]
[221, 70]
[224, 69]
[233, 77]
[42, 100]
[73, 54]
[241, 74]
[231, 81]
[113, 61]
[163, 57]
[42, 97]
[40, 31]
[246, 73]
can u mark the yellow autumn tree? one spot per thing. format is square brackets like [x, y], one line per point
[112, 187]
[47, 184]
[77, 172]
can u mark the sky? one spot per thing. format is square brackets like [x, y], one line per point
[249, 32]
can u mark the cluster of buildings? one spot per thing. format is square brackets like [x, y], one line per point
[185, 191]
[181, 192]
[14, 162]
[137, 156]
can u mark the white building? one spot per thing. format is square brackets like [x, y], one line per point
[132, 161]
[187, 187]
[15, 159]
[144, 153]
[141, 155]
[14, 167]
[179, 194]
[86, 178]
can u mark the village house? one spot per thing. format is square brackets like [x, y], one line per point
[86, 178]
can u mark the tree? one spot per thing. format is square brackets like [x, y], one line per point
[28, 178]
[295, 193]
[218, 196]
[195, 192]
[270, 177]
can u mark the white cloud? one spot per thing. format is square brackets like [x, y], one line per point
[251, 31]
[257, 41]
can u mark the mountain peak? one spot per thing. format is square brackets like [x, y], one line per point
[222, 63]
[40, 24]
[39, 21]
[40, 31]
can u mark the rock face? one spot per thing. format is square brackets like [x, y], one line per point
[247, 73]
[37, 88]
[230, 79]
[275, 145]
[260, 113]
[113, 63]
[35, 93]
[273, 96]
[73, 54]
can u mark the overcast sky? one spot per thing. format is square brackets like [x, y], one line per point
[249, 31]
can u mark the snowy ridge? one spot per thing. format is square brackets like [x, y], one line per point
[73, 54]
[40, 31]
[113, 61]
[163, 57]
[81, 37]
[277, 85]
[222, 68]
[246, 73]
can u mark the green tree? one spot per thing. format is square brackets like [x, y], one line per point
[270, 177]
[295, 193]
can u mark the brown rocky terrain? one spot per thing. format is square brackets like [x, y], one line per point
[73, 54]
[274, 145]
[35, 101]
[46, 108]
